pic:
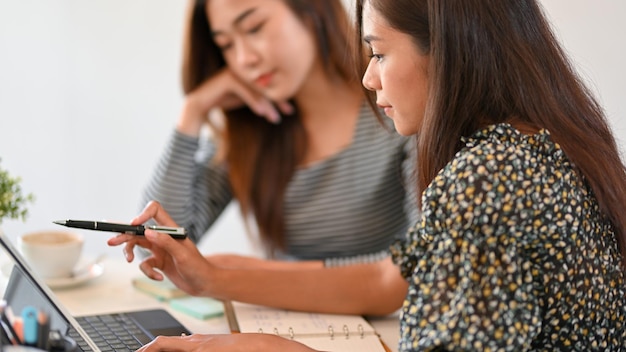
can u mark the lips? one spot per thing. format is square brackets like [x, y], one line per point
[264, 80]
[386, 108]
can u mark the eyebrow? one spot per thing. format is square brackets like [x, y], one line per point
[370, 38]
[238, 19]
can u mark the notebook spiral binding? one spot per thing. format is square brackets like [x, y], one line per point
[331, 332]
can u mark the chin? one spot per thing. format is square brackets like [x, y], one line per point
[405, 130]
[277, 94]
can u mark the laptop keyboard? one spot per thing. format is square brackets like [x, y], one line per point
[111, 332]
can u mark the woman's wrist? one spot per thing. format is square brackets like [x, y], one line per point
[215, 281]
[191, 118]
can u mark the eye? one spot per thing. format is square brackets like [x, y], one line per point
[224, 47]
[373, 55]
[377, 57]
[222, 42]
[256, 28]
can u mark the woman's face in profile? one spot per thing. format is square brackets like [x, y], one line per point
[264, 44]
[397, 72]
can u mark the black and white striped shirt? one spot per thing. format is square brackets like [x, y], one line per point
[347, 208]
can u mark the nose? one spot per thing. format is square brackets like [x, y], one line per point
[370, 78]
[246, 55]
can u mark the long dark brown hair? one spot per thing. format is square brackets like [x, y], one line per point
[497, 60]
[262, 156]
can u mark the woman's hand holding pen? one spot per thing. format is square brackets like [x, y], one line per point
[226, 91]
[179, 260]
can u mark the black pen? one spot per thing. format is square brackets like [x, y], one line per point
[175, 232]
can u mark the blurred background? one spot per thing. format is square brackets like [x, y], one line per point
[90, 92]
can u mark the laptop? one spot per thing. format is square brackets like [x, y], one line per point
[20, 288]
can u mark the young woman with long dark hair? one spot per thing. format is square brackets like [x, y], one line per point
[520, 242]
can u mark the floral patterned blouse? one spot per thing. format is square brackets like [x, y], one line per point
[511, 254]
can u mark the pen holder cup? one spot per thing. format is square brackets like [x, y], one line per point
[68, 345]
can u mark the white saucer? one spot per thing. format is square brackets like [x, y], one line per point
[94, 271]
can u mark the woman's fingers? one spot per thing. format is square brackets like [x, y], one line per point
[129, 242]
[119, 239]
[147, 267]
[163, 343]
[285, 107]
[129, 252]
[227, 91]
[154, 210]
[259, 104]
[177, 249]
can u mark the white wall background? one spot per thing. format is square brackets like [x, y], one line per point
[89, 93]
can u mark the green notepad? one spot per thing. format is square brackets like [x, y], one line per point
[198, 307]
[162, 290]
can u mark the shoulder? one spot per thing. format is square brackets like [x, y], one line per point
[501, 151]
[496, 165]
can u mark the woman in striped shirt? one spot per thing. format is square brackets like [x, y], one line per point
[296, 145]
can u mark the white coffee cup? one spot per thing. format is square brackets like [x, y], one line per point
[51, 254]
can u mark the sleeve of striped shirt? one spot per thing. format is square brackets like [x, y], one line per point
[192, 188]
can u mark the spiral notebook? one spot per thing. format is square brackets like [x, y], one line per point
[326, 332]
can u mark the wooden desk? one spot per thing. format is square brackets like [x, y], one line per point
[113, 292]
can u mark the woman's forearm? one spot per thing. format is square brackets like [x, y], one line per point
[366, 289]
[234, 261]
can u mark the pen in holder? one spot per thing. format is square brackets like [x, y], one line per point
[30, 331]
[57, 343]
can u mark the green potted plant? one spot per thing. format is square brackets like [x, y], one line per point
[12, 201]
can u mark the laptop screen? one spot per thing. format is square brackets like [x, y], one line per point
[21, 292]
[19, 288]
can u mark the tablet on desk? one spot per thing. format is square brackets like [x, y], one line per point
[21, 288]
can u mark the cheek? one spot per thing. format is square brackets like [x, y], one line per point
[408, 97]
[297, 68]
[300, 53]
[400, 90]
[292, 38]
[294, 42]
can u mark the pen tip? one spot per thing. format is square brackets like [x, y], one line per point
[59, 222]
